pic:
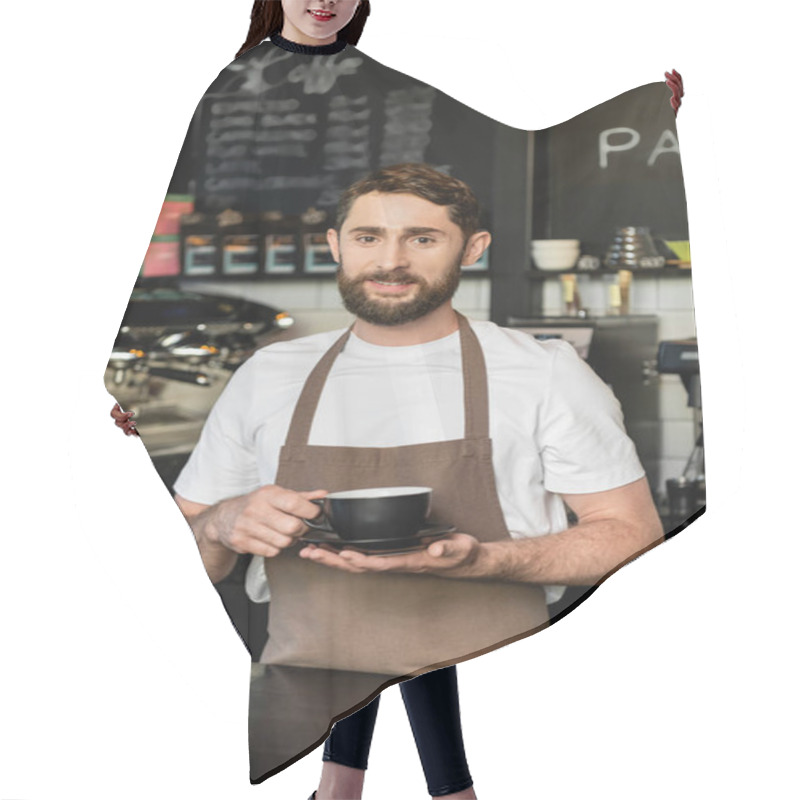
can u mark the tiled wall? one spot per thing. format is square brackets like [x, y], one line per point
[316, 307]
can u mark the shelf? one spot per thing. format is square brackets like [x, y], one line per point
[261, 277]
[656, 272]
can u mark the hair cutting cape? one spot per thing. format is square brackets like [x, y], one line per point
[239, 259]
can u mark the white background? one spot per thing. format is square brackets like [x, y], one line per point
[121, 675]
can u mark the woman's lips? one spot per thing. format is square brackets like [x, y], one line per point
[322, 16]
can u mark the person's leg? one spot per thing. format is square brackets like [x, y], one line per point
[433, 710]
[345, 755]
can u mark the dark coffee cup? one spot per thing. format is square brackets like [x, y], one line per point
[394, 512]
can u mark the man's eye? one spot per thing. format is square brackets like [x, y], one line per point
[424, 239]
[366, 239]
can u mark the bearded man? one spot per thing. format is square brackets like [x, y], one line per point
[508, 431]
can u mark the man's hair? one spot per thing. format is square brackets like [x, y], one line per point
[422, 181]
[266, 19]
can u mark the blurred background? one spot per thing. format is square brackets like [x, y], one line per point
[590, 243]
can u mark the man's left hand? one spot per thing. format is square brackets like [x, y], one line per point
[454, 556]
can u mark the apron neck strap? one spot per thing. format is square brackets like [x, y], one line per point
[476, 388]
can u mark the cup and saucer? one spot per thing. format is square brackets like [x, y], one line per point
[385, 521]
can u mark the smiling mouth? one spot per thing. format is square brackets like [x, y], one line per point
[322, 16]
[390, 287]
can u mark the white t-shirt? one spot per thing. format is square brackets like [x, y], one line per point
[556, 427]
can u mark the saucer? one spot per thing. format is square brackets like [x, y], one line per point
[407, 544]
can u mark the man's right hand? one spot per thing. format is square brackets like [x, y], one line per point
[263, 522]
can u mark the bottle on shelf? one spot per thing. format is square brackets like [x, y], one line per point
[619, 294]
[624, 278]
[614, 300]
[569, 290]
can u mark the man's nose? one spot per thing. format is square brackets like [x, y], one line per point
[393, 255]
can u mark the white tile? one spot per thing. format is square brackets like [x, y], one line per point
[644, 294]
[309, 322]
[673, 400]
[676, 325]
[467, 297]
[484, 293]
[593, 294]
[677, 439]
[290, 295]
[329, 297]
[477, 313]
[235, 289]
[473, 298]
[675, 294]
[293, 295]
[552, 301]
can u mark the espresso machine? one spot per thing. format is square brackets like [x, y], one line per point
[174, 354]
[686, 494]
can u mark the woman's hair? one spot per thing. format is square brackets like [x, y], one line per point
[266, 19]
[423, 181]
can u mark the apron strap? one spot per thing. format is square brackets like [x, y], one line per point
[476, 384]
[476, 388]
[303, 416]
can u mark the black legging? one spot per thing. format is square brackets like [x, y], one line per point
[431, 702]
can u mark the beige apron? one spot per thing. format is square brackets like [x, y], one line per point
[398, 624]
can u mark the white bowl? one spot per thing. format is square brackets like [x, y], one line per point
[554, 261]
[555, 244]
[555, 251]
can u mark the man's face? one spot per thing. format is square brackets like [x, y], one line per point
[399, 258]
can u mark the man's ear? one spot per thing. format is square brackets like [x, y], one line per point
[333, 243]
[476, 246]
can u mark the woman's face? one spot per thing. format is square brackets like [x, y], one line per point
[316, 22]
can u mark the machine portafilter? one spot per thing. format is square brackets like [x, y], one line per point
[126, 354]
[192, 348]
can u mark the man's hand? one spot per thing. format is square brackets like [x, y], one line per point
[454, 556]
[263, 522]
[614, 526]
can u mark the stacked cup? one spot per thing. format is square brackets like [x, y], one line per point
[555, 254]
[633, 247]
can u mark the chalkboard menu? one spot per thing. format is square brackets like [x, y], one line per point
[617, 164]
[278, 134]
[281, 131]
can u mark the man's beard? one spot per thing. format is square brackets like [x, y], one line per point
[389, 311]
